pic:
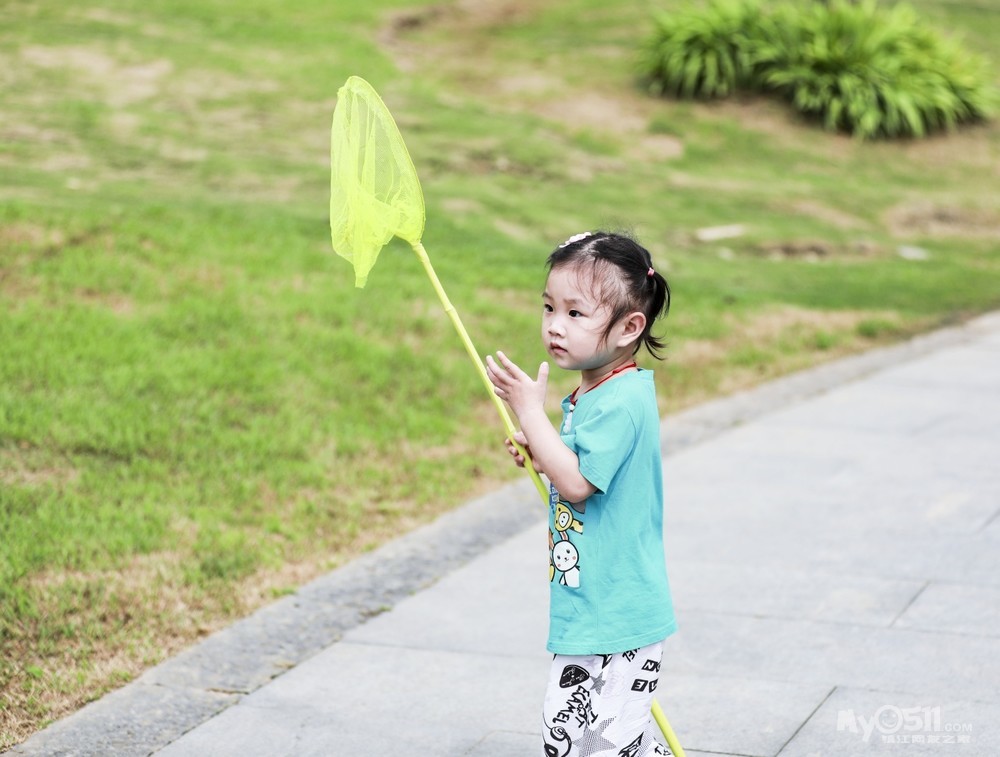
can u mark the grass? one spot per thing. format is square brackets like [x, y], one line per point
[198, 411]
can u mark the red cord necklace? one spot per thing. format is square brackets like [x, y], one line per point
[615, 372]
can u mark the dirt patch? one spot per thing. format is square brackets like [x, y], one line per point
[690, 181]
[973, 145]
[35, 477]
[933, 220]
[515, 231]
[105, 16]
[20, 244]
[816, 249]
[772, 325]
[659, 147]
[460, 16]
[825, 213]
[778, 122]
[529, 83]
[459, 30]
[459, 19]
[115, 302]
[697, 351]
[28, 235]
[607, 114]
[782, 339]
[125, 80]
[197, 87]
[595, 111]
[461, 206]
[121, 83]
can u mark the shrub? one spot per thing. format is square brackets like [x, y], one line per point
[856, 67]
[868, 71]
[702, 54]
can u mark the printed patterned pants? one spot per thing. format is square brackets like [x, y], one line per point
[598, 705]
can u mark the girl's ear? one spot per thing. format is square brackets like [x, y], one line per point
[632, 327]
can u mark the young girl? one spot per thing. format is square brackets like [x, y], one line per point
[610, 606]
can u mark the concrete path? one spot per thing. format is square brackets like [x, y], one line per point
[834, 549]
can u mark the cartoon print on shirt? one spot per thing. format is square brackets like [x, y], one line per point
[566, 558]
[565, 519]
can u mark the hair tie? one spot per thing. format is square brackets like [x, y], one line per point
[575, 238]
[650, 272]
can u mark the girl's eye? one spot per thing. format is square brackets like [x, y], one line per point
[547, 308]
[574, 313]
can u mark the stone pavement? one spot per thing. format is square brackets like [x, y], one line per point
[834, 550]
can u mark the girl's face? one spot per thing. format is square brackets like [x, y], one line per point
[574, 321]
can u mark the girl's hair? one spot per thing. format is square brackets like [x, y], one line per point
[624, 278]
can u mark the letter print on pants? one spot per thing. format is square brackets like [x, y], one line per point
[599, 705]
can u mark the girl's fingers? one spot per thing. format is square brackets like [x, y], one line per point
[543, 373]
[494, 373]
[510, 365]
[518, 457]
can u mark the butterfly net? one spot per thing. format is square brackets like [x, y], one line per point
[374, 190]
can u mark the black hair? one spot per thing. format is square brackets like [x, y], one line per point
[626, 279]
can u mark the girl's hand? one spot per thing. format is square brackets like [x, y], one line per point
[518, 457]
[523, 393]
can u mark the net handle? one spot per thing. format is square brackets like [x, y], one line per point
[470, 348]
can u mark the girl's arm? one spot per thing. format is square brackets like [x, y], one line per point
[526, 397]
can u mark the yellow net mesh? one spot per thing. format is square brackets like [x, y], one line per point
[374, 191]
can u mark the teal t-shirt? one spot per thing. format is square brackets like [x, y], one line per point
[609, 590]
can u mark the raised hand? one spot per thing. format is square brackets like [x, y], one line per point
[523, 393]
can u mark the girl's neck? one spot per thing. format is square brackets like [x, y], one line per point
[589, 379]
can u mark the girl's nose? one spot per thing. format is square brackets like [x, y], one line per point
[554, 327]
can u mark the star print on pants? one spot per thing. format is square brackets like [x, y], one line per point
[593, 741]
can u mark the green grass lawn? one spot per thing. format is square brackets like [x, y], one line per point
[198, 410]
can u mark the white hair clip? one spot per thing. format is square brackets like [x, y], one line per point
[576, 238]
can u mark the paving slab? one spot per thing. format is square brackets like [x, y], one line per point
[792, 593]
[798, 651]
[728, 714]
[832, 539]
[504, 744]
[362, 699]
[954, 609]
[902, 555]
[474, 610]
[862, 722]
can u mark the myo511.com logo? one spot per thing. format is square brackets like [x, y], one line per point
[905, 725]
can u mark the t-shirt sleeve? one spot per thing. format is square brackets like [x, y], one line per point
[603, 442]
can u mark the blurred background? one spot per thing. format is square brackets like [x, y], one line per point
[198, 410]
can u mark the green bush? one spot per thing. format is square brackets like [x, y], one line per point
[702, 55]
[858, 68]
[871, 72]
